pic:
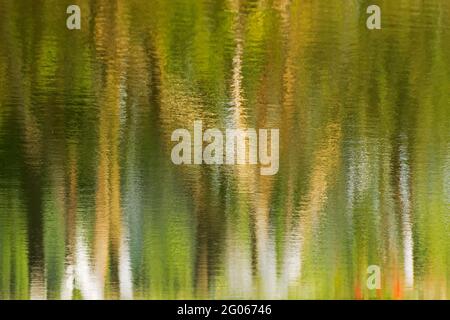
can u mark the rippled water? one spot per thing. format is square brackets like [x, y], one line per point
[91, 205]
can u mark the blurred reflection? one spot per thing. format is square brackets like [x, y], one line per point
[91, 206]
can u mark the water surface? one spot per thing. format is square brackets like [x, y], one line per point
[91, 205]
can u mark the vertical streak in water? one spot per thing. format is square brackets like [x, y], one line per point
[406, 215]
[31, 138]
[237, 251]
[291, 30]
[87, 280]
[236, 83]
[125, 276]
[108, 225]
[67, 284]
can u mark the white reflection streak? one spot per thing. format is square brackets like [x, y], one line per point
[90, 286]
[239, 269]
[266, 255]
[88, 283]
[67, 283]
[292, 268]
[406, 219]
[125, 276]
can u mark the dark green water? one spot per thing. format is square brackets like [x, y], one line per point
[91, 205]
